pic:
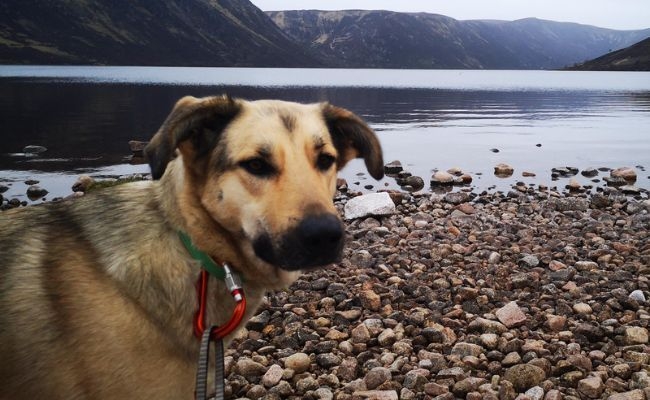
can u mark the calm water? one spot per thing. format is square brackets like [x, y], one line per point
[426, 119]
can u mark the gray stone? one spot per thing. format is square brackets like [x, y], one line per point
[637, 295]
[372, 204]
[32, 149]
[393, 168]
[529, 261]
[35, 192]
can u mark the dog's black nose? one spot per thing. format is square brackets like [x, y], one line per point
[316, 241]
[320, 234]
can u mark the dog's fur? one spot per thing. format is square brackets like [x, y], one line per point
[97, 295]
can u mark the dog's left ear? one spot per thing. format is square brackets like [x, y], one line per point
[194, 126]
[353, 138]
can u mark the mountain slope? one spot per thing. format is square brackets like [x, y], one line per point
[633, 58]
[144, 32]
[386, 39]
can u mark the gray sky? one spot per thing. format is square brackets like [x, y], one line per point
[615, 14]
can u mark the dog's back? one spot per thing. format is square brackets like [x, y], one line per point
[63, 320]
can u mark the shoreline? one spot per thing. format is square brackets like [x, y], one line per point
[15, 186]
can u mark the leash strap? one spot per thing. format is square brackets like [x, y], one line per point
[204, 364]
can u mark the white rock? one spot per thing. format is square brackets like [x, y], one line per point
[372, 204]
[637, 295]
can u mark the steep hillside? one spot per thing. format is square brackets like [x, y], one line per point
[418, 40]
[633, 58]
[144, 32]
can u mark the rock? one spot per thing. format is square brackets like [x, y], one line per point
[484, 325]
[387, 337]
[360, 334]
[529, 261]
[503, 170]
[527, 174]
[569, 204]
[299, 362]
[535, 393]
[615, 181]
[466, 179]
[249, 368]
[511, 315]
[456, 197]
[376, 394]
[83, 183]
[306, 384]
[32, 149]
[637, 295]
[582, 308]
[137, 147]
[636, 394]
[591, 387]
[273, 376]
[512, 358]
[372, 204]
[467, 385]
[636, 335]
[442, 178]
[589, 172]
[370, 300]
[627, 173]
[524, 376]
[630, 189]
[574, 185]
[466, 349]
[328, 360]
[393, 168]
[494, 150]
[556, 322]
[415, 182]
[35, 192]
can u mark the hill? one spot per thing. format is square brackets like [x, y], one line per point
[633, 58]
[144, 32]
[384, 39]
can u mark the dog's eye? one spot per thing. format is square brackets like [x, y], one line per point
[325, 161]
[258, 167]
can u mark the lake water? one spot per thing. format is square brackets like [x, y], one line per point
[427, 119]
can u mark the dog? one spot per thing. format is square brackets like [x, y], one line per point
[98, 294]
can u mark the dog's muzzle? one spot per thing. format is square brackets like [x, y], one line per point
[316, 241]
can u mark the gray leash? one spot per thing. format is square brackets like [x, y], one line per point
[201, 391]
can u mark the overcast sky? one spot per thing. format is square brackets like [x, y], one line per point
[615, 14]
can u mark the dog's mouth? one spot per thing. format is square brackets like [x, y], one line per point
[316, 241]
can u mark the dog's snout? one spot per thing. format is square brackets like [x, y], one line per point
[321, 233]
[316, 241]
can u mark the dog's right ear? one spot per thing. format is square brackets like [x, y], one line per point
[199, 121]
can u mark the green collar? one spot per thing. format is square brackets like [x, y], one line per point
[207, 263]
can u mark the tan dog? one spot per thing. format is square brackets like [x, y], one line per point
[97, 295]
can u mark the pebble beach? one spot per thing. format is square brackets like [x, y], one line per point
[527, 294]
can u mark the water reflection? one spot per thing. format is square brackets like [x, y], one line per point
[88, 125]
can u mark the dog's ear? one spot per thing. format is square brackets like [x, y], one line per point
[353, 138]
[193, 124]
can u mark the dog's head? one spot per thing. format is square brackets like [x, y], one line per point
[265, 172]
